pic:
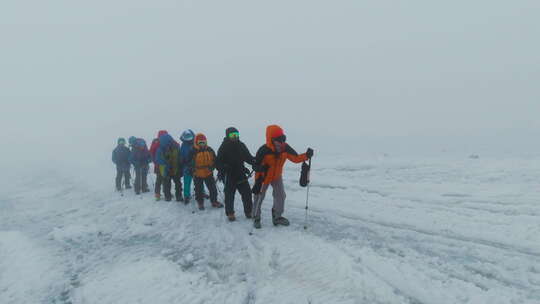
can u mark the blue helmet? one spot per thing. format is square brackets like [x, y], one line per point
[132, 140]
[187, 135]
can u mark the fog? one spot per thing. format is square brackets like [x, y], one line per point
[354, 76]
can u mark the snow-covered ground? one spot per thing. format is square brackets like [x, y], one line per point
[381, 230]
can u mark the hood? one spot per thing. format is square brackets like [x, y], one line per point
[198, 138]
[165, 140]
[187, 136]
[273, 131]
[161, 132]
[140, 143]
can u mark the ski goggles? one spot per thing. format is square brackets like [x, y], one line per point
[280, 139]
[234, 135]
[201, 143]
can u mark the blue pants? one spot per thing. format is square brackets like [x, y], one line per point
[187, 185]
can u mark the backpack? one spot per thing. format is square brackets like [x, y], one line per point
[304, 174]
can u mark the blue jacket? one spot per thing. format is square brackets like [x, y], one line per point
[140, 156]
[168, 156]
[120, 157]
[186, 151]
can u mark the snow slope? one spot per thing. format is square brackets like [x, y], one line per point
[381, 230]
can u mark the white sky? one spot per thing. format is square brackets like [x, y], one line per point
[95, 70]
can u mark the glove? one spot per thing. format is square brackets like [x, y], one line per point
[309, 153]
[246, 171]
[221, 176]
[258, 185]
[260, 168]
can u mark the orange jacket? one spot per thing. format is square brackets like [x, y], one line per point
[268, 156]
[204, 160]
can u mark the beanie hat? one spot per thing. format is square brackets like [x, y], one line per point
[230, 130]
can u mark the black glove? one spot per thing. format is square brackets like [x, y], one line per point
[246, 171]
[309, 153]
[258, 185]
[260, 168]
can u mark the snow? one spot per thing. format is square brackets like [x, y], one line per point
[381, 230]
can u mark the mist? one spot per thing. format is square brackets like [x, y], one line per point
[361, 76]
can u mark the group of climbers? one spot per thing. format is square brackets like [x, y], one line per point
[195, 161]
[137, 156]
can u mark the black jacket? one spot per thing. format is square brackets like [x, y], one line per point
[231, 157]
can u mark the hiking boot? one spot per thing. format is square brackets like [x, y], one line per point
[217, 205]
[257, 223]
[231, 217]
[280, 221]
[201, 205]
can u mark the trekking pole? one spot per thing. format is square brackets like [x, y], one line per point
[222, 195]
[307, 196]
[192, 204]
[140, 182]
[152, 179]
[254, 212]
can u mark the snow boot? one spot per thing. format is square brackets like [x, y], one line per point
[280, 221]
[186, 200]
[201, 205]
[248, 215]
[257, 223]
[231, 217]
[158, 197]
[217, 204]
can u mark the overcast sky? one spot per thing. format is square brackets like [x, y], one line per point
[95, 70]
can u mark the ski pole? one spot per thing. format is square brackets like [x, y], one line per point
[307, 195]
